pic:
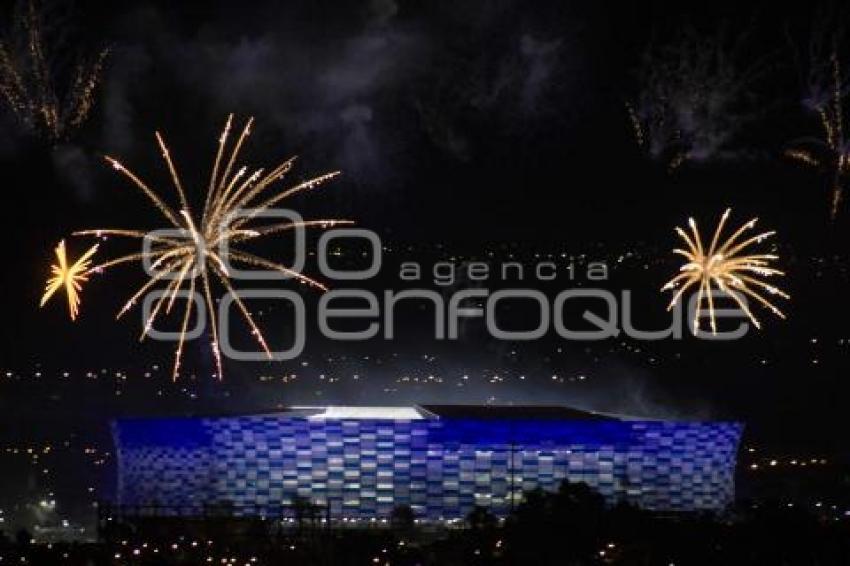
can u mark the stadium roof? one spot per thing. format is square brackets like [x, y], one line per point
[355, 412]
[418, 412]
[531, 412]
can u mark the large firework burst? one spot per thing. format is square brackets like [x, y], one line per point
[70, 277]
[29, 84]
[727, 266]
[232, 204]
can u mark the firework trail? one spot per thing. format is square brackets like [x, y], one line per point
[692, 99]
[28, 83]
[825, 88]
[727, 266]
[199, 255]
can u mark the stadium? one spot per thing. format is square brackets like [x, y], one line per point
[359, 463]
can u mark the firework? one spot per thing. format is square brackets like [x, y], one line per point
[830, 152]
[725, 265]
[70, 277]
[232, 203]
[691, 99]
[27, 84]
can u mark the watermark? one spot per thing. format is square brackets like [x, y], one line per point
[452, 294]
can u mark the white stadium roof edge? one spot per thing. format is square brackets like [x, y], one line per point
[355, 412]
[422, 412]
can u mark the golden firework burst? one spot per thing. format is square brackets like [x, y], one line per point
[70, 277]
[232, 205]
[27, 80]
[727, 266]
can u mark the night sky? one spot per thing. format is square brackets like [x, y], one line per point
[468, 130]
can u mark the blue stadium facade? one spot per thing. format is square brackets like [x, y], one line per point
[440, 460]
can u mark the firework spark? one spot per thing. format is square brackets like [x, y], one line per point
[27, 84]
[233, 201]
[830, 152]
[727, 266]
[71, 277]
[692, 98]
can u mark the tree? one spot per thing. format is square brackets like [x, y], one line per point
[304, 510]
[23, 537]
[402, 520]
[481, 520]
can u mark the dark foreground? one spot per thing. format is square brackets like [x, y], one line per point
[572, 526]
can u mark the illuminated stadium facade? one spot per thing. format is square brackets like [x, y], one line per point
[361, 462]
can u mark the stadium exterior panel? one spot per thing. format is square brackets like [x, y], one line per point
[361, 462]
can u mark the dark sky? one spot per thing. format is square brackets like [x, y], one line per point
[452, 111]
[469, 124]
